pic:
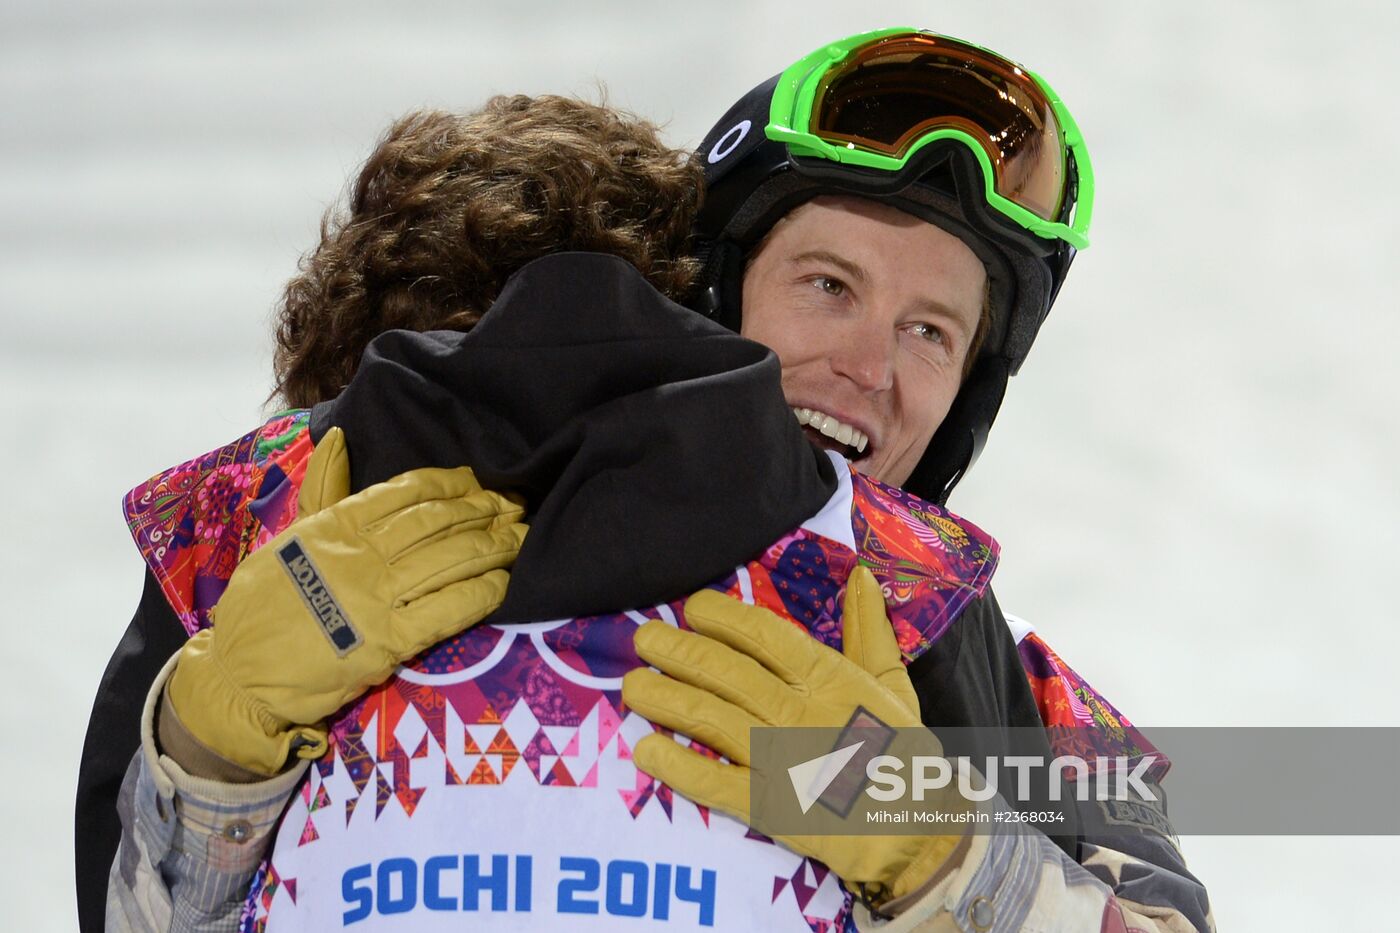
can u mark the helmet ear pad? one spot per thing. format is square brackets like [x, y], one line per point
[720, 293]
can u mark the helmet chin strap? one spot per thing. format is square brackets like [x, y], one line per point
[979, 434]
[960, 438]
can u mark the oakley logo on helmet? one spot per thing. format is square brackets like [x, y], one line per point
[729, 141]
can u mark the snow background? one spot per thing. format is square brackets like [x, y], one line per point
[1192, 478]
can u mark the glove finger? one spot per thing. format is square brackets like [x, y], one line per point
[701, 780]
[452, 559]
[784, 648]
[444, 613]
[327, 479]
[423, 522]
[381, 500]
[512, 513]
[868, 639]
[713, 667]
[682, 708]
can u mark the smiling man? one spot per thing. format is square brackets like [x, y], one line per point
[894, 216]
[874, 314]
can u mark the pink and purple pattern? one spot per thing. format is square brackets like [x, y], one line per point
[1079, 721]
[194, 522]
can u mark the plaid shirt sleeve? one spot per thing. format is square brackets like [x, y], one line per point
[1014, 878]
[1010, 881]
[189, 845]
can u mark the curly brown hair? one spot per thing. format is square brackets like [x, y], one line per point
[448, 206]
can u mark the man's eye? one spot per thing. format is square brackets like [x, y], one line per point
[927, 332]
[829, 285]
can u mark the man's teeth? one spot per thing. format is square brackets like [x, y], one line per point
[829, 426]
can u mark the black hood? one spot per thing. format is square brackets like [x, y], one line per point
[653, 447]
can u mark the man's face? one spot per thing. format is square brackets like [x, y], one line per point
[870, 311]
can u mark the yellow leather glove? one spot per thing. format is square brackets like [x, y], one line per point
[332, 605]
[744, 667]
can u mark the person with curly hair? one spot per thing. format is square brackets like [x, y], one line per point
[497, 291]
[448, 207]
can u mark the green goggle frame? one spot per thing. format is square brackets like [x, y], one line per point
[791, 121]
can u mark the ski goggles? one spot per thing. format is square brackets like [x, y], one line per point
[877, 99]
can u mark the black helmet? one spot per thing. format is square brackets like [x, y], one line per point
[946, 131]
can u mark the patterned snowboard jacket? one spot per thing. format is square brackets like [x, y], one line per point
[490, 780]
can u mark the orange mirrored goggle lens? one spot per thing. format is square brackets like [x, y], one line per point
[890, 94]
